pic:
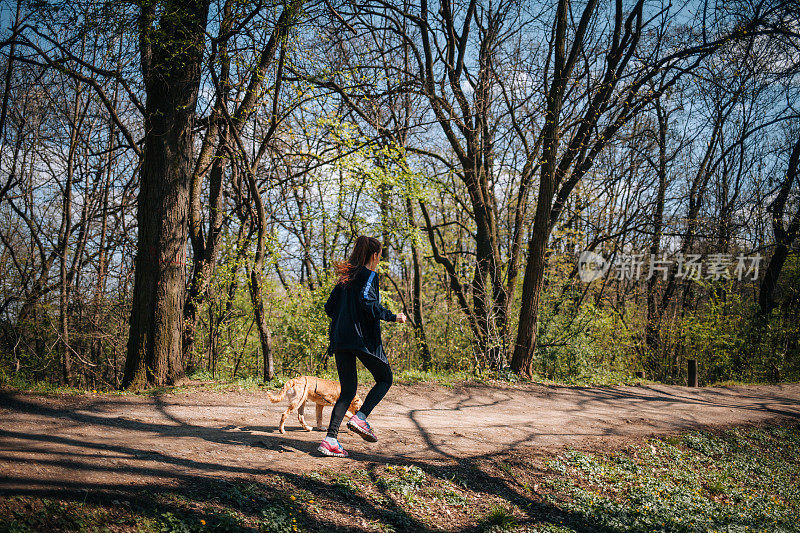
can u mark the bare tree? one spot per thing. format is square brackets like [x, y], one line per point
[785, 230]
[606, 107]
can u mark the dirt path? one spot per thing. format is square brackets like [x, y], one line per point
[108, 442]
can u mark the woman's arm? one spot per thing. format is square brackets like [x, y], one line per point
[333, 300]
[368, 301]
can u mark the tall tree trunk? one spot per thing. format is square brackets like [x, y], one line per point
[66, 229]
[102, 270]
[264, 334]
[784, 235]
[416, 300]
[481, 280]
[204, 257]
[525, 344]
[532, 283]
[652, 337]
[171, 56]
[63, 245]
[515, 247]
[766, 292]
[256, 273]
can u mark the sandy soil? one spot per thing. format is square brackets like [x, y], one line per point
[98, 442]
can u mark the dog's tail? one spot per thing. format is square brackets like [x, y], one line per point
[275, 399]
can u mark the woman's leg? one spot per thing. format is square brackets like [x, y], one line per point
[382, 373]
[348, 378]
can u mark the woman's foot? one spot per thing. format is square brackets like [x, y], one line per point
[360, 425]
[332, 448]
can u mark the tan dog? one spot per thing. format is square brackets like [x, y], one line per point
[320, 391]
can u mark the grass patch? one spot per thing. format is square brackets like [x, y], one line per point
[500, 519]
[404, 480]
[741, 479]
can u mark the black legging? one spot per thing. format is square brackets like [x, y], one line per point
[348, 377]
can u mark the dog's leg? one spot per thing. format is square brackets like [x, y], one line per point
[301, 417]
[291, 393]
[301, 406]
[284, 415]
[319, 416]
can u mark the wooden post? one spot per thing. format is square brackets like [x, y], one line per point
[692, 372]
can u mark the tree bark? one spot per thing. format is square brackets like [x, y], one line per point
[416, 300]
[652, 337]
[525, 345]
[784, 236]
[256, 272]
[205, 254]
[171, 55]
[63, 245]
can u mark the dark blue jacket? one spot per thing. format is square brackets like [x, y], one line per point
[356, 312]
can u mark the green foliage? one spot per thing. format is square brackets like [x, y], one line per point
[450, 496]
[225, 520]
[404, 480]
[52, 515]
[276, 519]
[735, 480]
[499, 519]
[712, 335]
[731, 341]
[170, 523]
[301, 327]
[584, 343]
[584, 338]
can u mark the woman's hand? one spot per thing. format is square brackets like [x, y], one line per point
[401, 318]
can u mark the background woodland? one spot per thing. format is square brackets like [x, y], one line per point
[178, 176]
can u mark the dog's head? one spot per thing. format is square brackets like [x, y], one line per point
[356, 404]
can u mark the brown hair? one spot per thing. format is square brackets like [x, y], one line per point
[363, 250]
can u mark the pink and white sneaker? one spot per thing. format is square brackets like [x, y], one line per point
[361, 427]
[332, 451]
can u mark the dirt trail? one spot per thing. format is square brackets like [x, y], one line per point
[108, 442]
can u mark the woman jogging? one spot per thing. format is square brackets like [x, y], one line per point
[355, 309]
